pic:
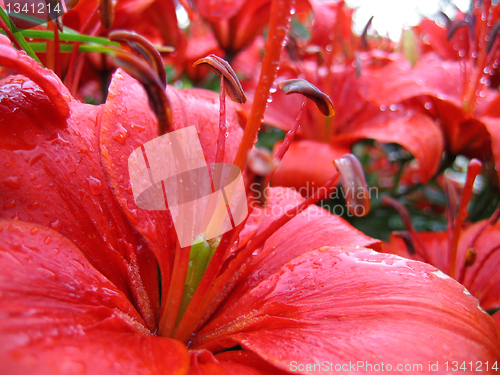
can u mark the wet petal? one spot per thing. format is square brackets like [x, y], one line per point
[341, 304]
[396, 81]
[317, 228]
[482, 279]
[493, 126]
[404, 125]
[307, 165]
[45, 79]
[60, 315]
[234, 362]
[52, 175]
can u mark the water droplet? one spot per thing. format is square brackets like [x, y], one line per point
[33, 205]
[139, 128]
[292, 11]
[7, 206]
[48, 240]
[56, 225]
[393, 107]
[95, 185]
[35, 230]
[461, 53]
[12, 182]
[428, 105]
[121, 134]
[383, 107]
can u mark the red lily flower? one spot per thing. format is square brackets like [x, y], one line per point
[235, 23]
[79, 288]
[470, 253]
[457, 86]
[338, 68]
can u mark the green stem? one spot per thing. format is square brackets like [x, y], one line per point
[199, 258]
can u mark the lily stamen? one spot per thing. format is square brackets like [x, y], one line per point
[143, 47]
[417, 245]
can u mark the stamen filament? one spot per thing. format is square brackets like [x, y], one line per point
[221, 140]
[9, 33]
[175, 292]
[472, 172]
[278, 30]
[405, 218]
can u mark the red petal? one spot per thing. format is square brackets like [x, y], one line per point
[349, 304]
[228, 363]
[307, 165]
[397, 82]
[60, 315]
[496, 318]
[313, 228]
[493, 126]
[482, 279]
[125, 11]
[436, 38]
[404, 125]
[52, 174]
[214, 10]
[45, 79]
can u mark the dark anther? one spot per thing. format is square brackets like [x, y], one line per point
[447, 19]
[311, 92]
[364, 34]
[354, 184]
[493, 36]
[155, 89]
[262, 164]
[51, 5]
[470, 257]
[470, 21]
[222, 68]
[107, 13]
[406, 237]
[144, 47]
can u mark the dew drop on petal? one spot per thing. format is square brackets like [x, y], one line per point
[120, 135]
[95, 185]
[56, 225]
[12, 182]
